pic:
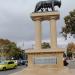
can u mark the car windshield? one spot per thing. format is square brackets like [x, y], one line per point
[2, 62]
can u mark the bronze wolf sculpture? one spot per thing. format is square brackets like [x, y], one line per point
[45, 5]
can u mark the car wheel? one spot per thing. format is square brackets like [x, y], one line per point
[15, 67]
[4, 68]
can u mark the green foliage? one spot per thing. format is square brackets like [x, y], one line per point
[69, 27]
[69, 54]
[9, 49]
[70, 49]
[45, 45]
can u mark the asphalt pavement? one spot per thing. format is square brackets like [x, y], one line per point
[71, 64]
[20, 68]
[8, 72]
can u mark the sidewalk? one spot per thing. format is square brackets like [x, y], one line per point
[46, 71]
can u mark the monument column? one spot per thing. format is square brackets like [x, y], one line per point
[37, 34]
[52, 57]
[53, 36]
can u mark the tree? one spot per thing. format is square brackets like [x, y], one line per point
[71, 47]
[69, 54]
[70, 50]
[9, 49]
[3, 44]
[45, 45]
[69, 27]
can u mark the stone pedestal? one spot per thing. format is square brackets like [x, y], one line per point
[44, 58]
[35, 57]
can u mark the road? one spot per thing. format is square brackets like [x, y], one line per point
[72, 64]
[8, 72]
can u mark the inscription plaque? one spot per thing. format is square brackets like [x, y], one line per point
[45, 60]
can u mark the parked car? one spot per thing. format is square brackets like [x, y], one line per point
[7, 64]
[22, 62]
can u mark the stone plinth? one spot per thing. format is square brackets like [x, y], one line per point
[43, 54]
[45, 16]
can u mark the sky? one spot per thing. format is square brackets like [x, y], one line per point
[16, 24]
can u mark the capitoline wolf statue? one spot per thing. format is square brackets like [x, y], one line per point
[46, 5]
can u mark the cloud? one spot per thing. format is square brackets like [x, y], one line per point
[16, 24]
[15, 20]
[61, 43]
